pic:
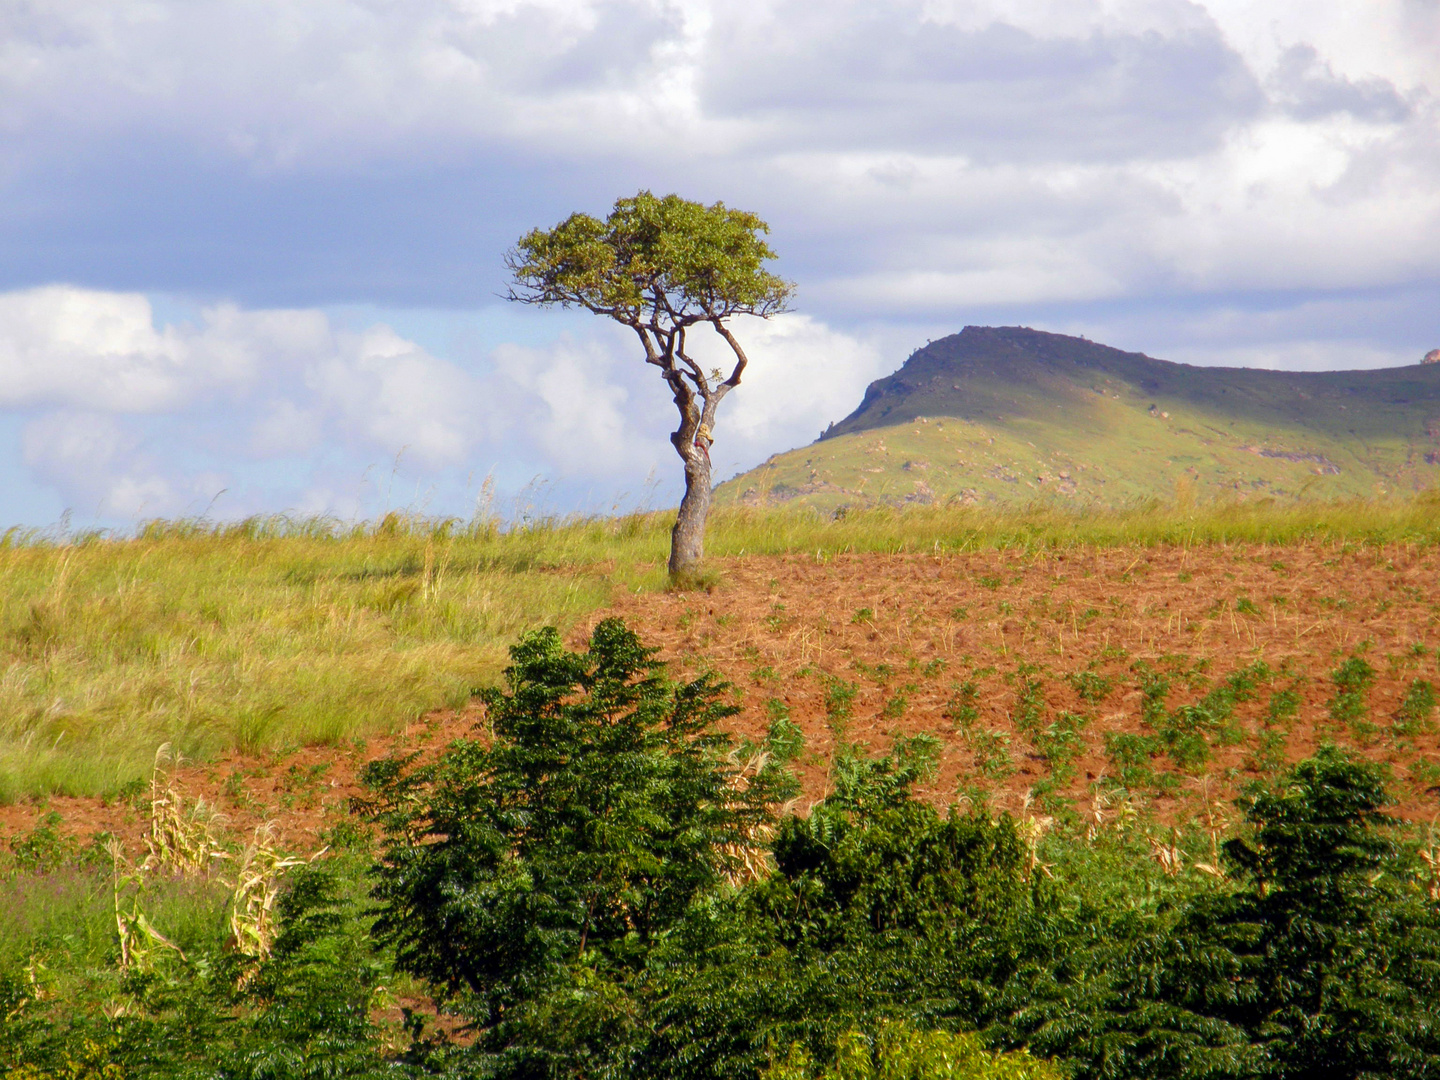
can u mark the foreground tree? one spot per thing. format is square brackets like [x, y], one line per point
[532, 877]
[661, 266]
[1331, 943]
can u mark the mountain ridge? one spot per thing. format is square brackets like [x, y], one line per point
[1032, 412]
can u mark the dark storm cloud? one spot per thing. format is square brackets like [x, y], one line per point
[156, 214]
[890, 80]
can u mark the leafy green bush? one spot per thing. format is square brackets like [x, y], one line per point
[531, 879]
[899, 1051]
[1327, 954]
[602, 888]
[303, 1012]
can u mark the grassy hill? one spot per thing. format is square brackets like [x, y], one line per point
[1009, 414]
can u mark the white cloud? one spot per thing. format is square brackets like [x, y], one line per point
[1059, 150]
[1123, 162]
[582, 407]
[282, 427]
[594, 409]
[802, 376]
[384, 391]
[82, 348]
[1297, 355]
[237, 385]
[96, 462]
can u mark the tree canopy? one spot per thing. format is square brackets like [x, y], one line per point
[661, 263]
[661, 266]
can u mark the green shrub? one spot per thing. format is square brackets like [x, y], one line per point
[530, 879]
[900, 1051]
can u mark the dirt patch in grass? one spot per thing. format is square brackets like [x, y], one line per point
[303, 794]
[1145, 678]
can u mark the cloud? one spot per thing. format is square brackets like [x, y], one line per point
[87, 349]
[1306, 87]
[899, 78]
[583, 408]
[108, 388]
[288, 408]
[928, 157]
[381, 390]
[1123, 164]
[334, 81]
[802, 376]
[96, 462]
[593, 409]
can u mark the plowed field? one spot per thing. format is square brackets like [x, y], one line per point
[1150, 678]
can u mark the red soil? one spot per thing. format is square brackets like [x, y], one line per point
[939, 620]
[777, 627]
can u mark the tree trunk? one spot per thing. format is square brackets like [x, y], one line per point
[687, 539]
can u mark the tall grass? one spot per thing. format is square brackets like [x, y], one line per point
[262, 634]
[278, 632]
[1054, 524]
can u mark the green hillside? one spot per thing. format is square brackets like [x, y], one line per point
[996, 414]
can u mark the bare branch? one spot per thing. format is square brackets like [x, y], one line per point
[695, 372]
[651, 356]
[740, 358]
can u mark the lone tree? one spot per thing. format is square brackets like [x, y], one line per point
[661, 266]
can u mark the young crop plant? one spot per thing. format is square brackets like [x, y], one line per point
[1060, 744]
[1284, 707]
[961, 709]
[895, 707]
[1424, 773]
[1350, 706]
[1090, 685]
[992, 753]
[783, 737]
[1130, 755]
[1029, 714]
[880, 674]
[1416, 714]
[839, 702]
[1154, 693]
[1184, 733]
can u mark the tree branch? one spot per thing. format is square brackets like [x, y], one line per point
[740, 358]
[696, 372]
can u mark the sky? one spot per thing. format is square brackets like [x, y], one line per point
[251, 251]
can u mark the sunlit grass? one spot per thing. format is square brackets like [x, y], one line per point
[280, 632]
[261, 635]
[1044, 525]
